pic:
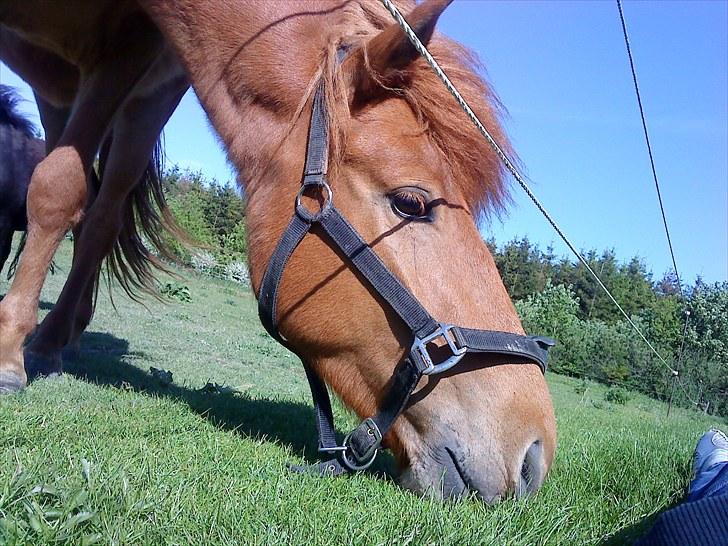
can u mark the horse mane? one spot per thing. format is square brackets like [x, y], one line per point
[9, 115]
[476, 169]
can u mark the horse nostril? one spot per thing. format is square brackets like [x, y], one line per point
[526, 472]
[531, 471]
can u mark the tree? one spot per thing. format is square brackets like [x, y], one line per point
[521, 266]
[668, 285]
[707, 332]
[212, 214]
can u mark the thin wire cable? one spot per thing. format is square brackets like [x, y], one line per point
[511, 167]
[678, 380]
[657, 188]
[649, 145]
[682, 341]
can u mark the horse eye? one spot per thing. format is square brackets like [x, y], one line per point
[410, 205]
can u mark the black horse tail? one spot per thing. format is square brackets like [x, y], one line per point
[9, 115]
[149, 232]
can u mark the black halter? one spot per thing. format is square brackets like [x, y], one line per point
[359, 448]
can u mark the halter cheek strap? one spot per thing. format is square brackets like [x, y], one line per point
[360, 447]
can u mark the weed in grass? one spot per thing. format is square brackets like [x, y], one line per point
[214, 388]
[177, 291]
[581, 387]
[164, 377]
[46, 513]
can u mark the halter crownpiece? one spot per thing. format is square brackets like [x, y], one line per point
[359, 448]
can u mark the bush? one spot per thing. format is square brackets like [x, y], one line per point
[189, 212]
[708, 326]
[551, 312]
[617, 395]
[593, 349]
[237, 272]
[204, 262]
[235, 243]
[213, 216]
[558, 297]
[581, 387]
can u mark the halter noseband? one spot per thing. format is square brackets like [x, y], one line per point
[359, 448]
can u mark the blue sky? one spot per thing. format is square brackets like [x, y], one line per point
[562, 71]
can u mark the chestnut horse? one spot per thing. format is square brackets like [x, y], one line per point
[118, 86]
[409, 173]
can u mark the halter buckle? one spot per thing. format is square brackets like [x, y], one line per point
[328, 194]
[419, 347]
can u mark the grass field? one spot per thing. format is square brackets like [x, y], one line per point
[109, 454]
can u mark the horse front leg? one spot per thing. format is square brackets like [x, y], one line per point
[134, 133]
[57, 195]
[55, 200]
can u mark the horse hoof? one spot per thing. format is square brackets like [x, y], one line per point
[11, 383]
[42, 366]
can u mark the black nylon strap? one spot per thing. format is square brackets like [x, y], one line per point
[325, 427]
[488, 341]
[268, 296]
[322, 408]
[331, 467]
[361, 440]
[401, 300]
[314, 172]
[535, 348]
[317, 151]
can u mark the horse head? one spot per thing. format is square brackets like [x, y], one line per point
[411, 175]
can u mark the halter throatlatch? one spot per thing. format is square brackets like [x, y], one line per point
[360, 446]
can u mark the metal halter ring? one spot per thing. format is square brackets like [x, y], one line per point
[357, 466]
[304, 213]
[370, 455]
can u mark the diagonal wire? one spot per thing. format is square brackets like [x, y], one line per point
[649, 145]
[657, 189]
[419, 46]
[678, 380]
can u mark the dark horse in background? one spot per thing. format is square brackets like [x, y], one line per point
[20, 152]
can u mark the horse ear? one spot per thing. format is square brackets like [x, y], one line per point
[382, 60]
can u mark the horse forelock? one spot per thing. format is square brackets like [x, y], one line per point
[475, 167]
[9, 115]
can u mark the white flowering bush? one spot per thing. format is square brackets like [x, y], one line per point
[204, 262]
[237, 272]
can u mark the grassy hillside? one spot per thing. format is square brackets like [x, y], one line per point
[109, 454]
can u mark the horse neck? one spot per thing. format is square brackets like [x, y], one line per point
[250, 68]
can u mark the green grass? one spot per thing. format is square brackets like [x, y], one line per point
[108, 454]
